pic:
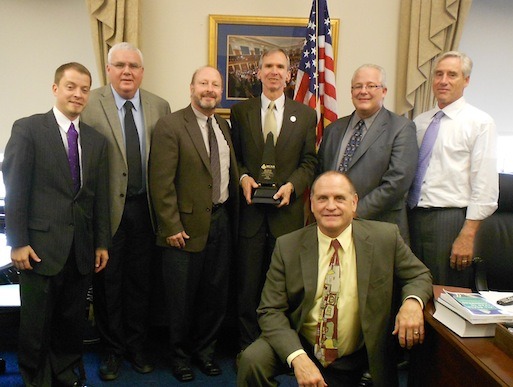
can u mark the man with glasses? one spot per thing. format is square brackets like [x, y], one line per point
[376, 148]
[126, 115]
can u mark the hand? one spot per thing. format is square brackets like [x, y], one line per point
[102, 256]
[248, 184]
[463, 246]
[21, 256]
[409, 324]
[284, 194]
[306, 372]
[177, 240]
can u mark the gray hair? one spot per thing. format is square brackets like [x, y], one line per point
[375, 67]
[466, 62]
[125, 46]
[272, 51]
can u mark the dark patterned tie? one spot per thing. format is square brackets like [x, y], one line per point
[133, 152]
[426, 148]
[215, 165]
[74, 163]
[351, 147]
[326, 345]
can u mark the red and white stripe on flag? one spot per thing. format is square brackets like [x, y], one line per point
[315, 83]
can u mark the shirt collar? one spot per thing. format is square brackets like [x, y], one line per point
[279, 102]
[453, 109]
[200, 116]
[344, 238]
[120, 101]
[63, 121]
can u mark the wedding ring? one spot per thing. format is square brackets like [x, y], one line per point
[416, 333]
[464, 261]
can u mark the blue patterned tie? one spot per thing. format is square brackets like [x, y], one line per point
[426, 148]
[74, 163]
[351, 147]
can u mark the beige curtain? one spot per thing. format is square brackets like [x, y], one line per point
[112, 21]
[427, 28]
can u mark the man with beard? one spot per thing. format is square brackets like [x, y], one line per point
[194, 186]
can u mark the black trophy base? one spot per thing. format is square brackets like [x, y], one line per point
[264, 195]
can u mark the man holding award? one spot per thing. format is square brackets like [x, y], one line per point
[274, 142]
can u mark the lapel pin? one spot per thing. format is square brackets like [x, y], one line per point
[293, 118]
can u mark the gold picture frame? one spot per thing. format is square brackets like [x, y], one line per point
[252, 35]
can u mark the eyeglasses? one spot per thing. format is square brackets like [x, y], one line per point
[122, 65]
[370, 87]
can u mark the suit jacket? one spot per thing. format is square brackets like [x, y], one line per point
[41, 207]
[382, 168]
[381, 258]
[295, 161]
[102, 114]
[181, 180]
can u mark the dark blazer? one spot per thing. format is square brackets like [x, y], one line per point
[381, 258]
[295, 161]
[101, 113]
[41, 207]
[383, 166]
[181, 182]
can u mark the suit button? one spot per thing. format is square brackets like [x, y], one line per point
[124, 173]
[121, 195]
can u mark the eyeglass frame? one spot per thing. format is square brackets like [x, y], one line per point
[370, 87]
[122, 65]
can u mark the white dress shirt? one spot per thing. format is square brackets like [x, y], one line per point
[462, 171]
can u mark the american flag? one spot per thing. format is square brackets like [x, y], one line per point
[315, 82]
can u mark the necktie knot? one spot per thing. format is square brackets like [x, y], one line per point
[128, 105]
[335, 244]
[272, 105]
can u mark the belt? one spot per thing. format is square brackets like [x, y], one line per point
[216, 207]
[136, 196]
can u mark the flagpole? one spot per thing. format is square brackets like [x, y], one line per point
[317, 89]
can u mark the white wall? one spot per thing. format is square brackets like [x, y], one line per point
[37, 36]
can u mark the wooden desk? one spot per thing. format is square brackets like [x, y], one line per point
[445, 359]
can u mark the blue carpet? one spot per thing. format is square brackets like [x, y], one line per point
[161, 376]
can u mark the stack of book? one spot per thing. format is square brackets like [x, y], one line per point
[469, 314]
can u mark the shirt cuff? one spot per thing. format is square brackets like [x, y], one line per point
[242, 177]
[293, 355]
[418, 299]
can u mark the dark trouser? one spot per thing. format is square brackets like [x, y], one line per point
[196, 286]
[253, 259]
[432, 233]
[259, 365]
[121, 291]
[52, 321]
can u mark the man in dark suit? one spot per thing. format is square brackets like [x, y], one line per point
[304, 283]
[383, 165]
[122, 291]
[57, 224]
[194, 189]
[261, 224]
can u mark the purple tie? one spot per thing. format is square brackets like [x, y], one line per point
[426, 148]
[74, 164]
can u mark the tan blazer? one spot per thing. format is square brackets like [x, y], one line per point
[101, 113]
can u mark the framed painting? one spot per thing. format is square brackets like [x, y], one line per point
[235, 46]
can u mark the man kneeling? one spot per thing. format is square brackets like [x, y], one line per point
[327, 301]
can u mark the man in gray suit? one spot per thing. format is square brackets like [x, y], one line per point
[122, 292]
[303, 283]
[380, 156]
[57, 223]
